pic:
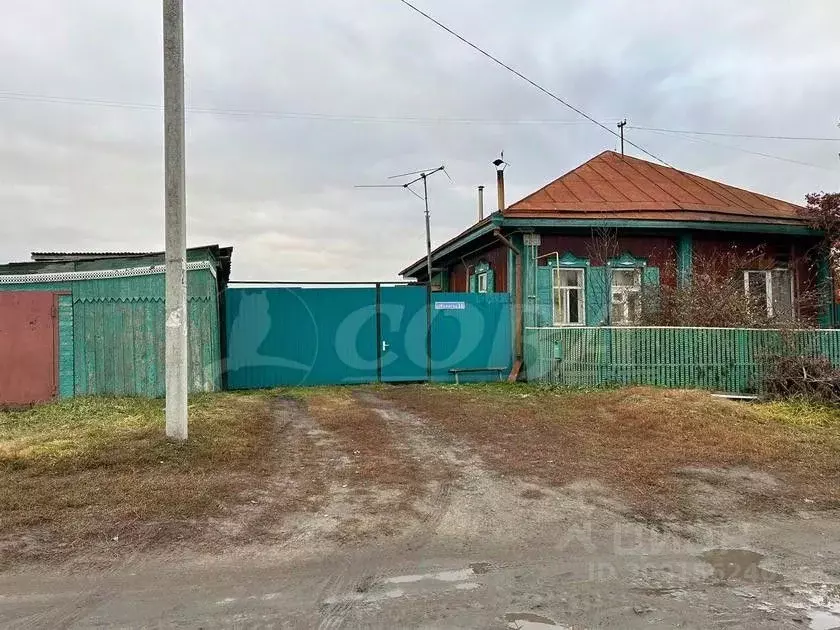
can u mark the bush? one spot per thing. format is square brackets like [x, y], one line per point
[813, 379]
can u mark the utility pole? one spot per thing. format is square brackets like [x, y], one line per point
[428, 230]
[176, 219]
[621, 126]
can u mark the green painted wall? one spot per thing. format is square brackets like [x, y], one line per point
[66, 359]
[597, 291]
[111, 334]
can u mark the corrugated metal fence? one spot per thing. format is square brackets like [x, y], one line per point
[327, 336]
[722, 359]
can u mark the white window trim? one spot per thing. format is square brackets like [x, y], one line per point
[581, 299]
[481, 282]
[768, 287]
[637, 288]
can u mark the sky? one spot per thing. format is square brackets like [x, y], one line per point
[293, 104]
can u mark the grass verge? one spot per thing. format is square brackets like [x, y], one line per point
[97, 471]
[638, 440]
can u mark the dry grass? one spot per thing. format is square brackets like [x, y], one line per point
[636, 440]
[373, 454]
[80, 473]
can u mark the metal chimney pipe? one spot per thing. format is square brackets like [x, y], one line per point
[480, 203]
[500, 182]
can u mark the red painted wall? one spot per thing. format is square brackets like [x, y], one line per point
[798, 253]
[496, 257]
[658, 250]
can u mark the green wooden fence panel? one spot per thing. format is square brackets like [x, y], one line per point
[721, 359]
[112, 334]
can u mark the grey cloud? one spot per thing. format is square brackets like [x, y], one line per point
[281, 189]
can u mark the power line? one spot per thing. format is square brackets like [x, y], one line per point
[734, 135]
[245, 113]
[529, 81]
[751, 152]
[361, 118]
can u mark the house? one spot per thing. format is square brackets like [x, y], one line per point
[81, 323]
[581, 250]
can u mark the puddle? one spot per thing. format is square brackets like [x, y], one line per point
[457, 575]
[821, 607]
[822, 619]
[366, 598]
[530, 621]
[739, 564]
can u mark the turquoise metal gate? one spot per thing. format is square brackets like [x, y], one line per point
[345, 335]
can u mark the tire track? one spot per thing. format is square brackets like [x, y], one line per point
[438, 461]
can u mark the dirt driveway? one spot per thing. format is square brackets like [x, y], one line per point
[437, 507]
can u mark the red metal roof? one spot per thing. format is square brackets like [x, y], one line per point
[612, 186]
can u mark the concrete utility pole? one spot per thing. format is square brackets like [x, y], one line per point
[176, 219]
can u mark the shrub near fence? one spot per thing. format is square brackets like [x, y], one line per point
[729, 360]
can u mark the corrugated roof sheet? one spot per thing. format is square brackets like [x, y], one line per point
[75, 256]
[610, 184]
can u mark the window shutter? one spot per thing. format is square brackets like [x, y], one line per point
[473, 284]
[491, 281]
[545, 297]
[597, 290]
[650, 277]
[650, 290]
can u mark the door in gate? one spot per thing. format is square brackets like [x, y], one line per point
[402, 334]
[27, 347]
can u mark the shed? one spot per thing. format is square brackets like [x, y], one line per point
[105, 313]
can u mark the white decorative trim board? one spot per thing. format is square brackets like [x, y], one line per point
[101, 274]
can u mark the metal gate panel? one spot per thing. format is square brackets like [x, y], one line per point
[471, 331]
[300, 336]
[28, 343]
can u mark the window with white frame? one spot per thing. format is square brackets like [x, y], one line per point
[568, 297]
[626, 301]
[772, 290]
[481, 282]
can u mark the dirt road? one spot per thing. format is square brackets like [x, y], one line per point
[404, 524]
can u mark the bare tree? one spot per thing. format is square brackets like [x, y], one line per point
[603, 245]
[716, 296]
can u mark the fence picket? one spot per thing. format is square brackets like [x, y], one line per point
[723, 359]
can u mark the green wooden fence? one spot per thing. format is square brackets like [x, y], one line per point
[722, 359]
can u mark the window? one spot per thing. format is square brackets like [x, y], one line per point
[626, 291]
[771, 290]
[568, 297]
[481, 282]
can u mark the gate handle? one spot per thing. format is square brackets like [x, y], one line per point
[385, 346]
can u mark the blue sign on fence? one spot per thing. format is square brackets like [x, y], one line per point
[450, 306]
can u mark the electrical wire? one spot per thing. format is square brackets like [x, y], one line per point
[246, 113]
[357, 118]
[533, 83]
[749, 151]
[734, 135]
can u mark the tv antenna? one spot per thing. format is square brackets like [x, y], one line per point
[420, 176]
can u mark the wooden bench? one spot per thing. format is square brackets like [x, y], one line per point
[458, 371]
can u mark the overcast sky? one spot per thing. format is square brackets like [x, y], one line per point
[77, 174]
